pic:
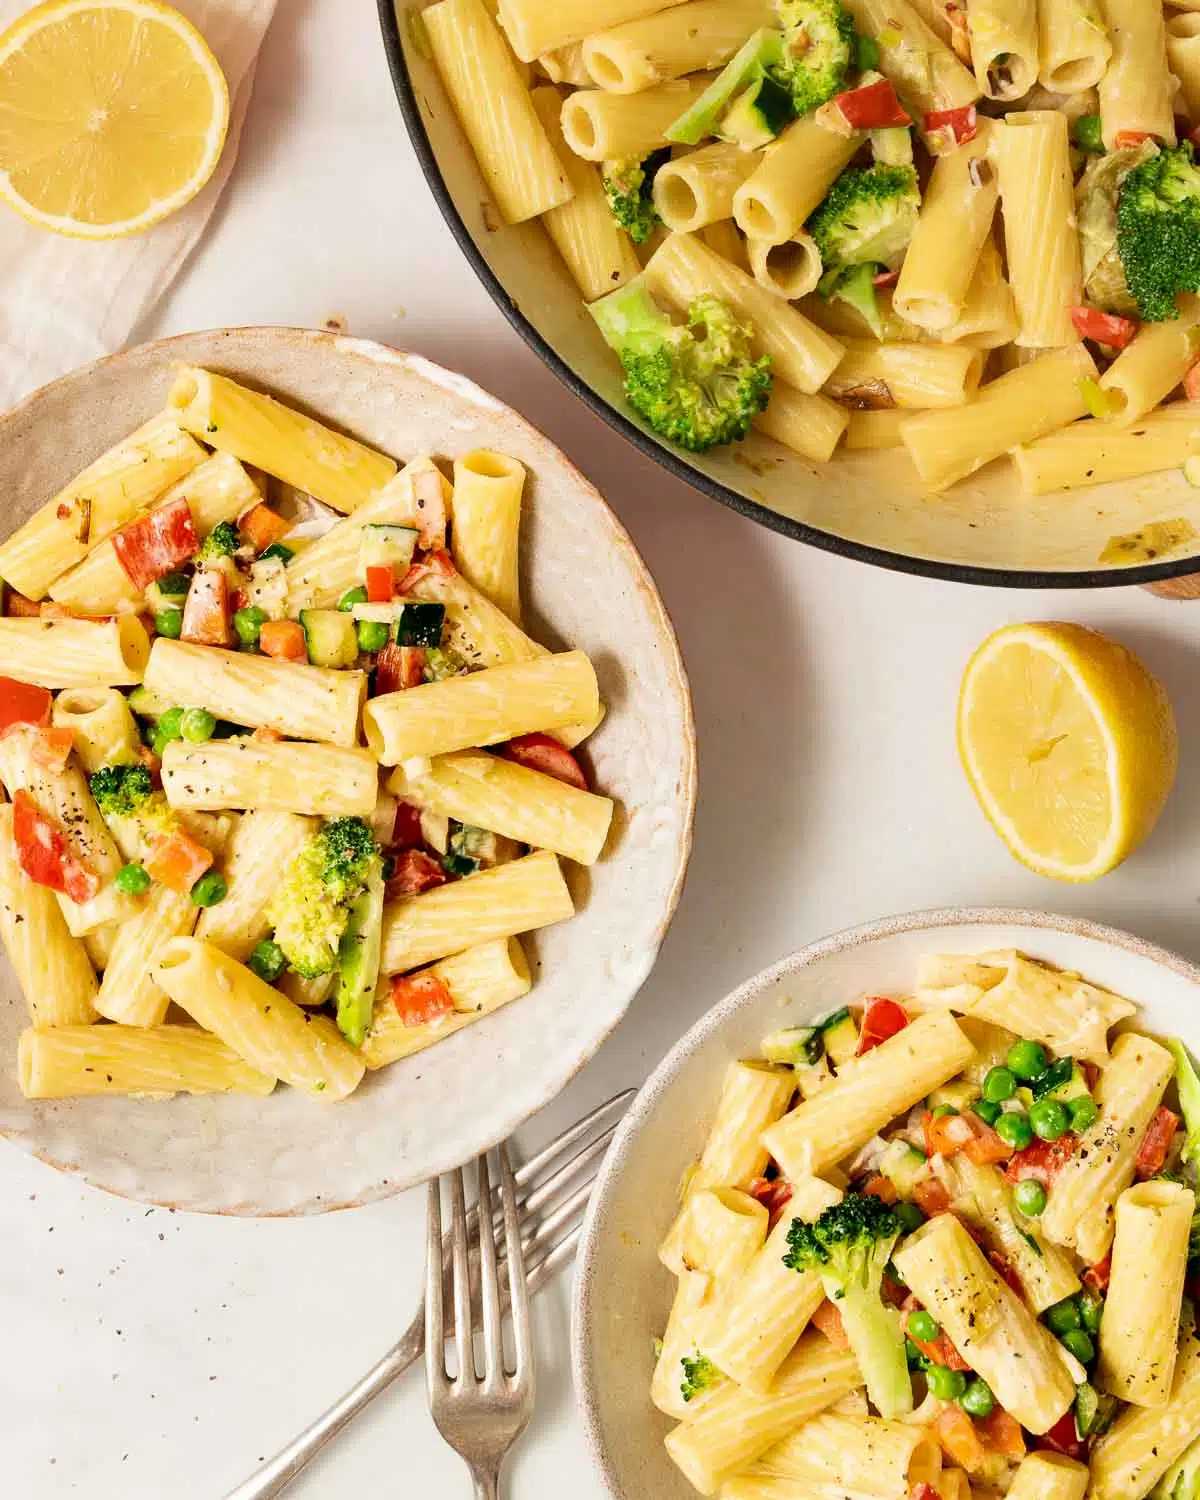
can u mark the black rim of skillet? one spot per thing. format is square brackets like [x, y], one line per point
[827, 541]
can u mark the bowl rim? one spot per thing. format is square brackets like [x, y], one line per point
[676, 464]
[927, 919]
[687, 789]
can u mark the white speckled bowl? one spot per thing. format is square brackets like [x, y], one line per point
[585, 586]
[622, 1293]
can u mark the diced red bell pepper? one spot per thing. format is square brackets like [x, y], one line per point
[959, 1441]
[261, 526]
[931, 1197]
[1006, 1271]
[414, 871]
[381, 583]
[1104, 328]
[206, 617]
[774, 1193]
[437, 564]
[950, 127]
[177, 861]
[421, 998]
[940, 1350]
[431, 510]
[1156, 1143]
[406, 827]
[922, 1491]
[1063, 1437]
[18, 607]
[1124, 140]
[828, 1321]
[22, 703]
[284, 640]
[44, 854]
[156, 543]
[542, 752]
[879, 1187]
[882, 1019]
[399, 667]
[872, 107]
[52, 747]
[1042, 1160]
[1000, 1432]
[886, 278]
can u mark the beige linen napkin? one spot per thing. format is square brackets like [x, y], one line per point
[64, 302]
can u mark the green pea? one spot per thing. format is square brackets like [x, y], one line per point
[169, 725]
[999, 1085]
[1063, 1316]
[372, 635]
[1026, 1059]
[267, 960]
[1030, 1197]
[132, 879]
[1090, 1309]
[1050, 1119]
[248, 624]
[197, 725]
[910, 1216]
[942, 1110]
[988, 1112]
[1084, 1112]
[209, 889]
[923, 1326]
[1079, 1344]
[977, 1400]
[1014, 1129]
[1086, 133]
[169, 622]
[277, 549]
[352, 597]
[946, 1384]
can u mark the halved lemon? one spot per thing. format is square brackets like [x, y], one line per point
[1069, 744]
[112, 115]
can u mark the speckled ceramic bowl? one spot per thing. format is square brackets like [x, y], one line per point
[622, 1293]
[286, 1154]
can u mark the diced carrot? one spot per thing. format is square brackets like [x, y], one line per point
[829, 1321]
[21, 608]
[1124, 139]
[1096, 1278]
[940, 1350]
[985, 1148]
[959, 1441]
[177, 861]
[381, 583]
[52, 747]
[206, 612]
[1000, 1432]
[931, 1197]
[261, 526]
[879, 1187]
[266, 735]
[283, 639]
[421, 998]
[945, 1135]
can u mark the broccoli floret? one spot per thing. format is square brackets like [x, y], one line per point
[221, 541]
[311, 906]
[120, 790]
[869, 214]
[695, 391]
[855, 285]
[1158, 231]
[1096, 195]
[818, 46]
[698, 1375]
[849, 1246]
[628, 186]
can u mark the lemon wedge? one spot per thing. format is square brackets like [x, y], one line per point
[1069, 745]
[113, 114]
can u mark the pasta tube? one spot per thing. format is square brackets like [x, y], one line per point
[487, 525]
[677, 1342]
[263, 843]
[925, 72]
[683, 39]
[803, 355]
[1099, 452]
[1140, 1326]
[698, 189]
[318, 780]
[485, 791]
[597, 251]
[489, 96]
[792, 269]
[875, 429]
[809, 425]
[1049, 1476]
[735, 1427]
[915, 376]
[269, 435]
[307, 703]
[497, 903]
[162, 1060]
[1033, 158]
[51, 966]
[600, 126]
[1073, 44]
[217, 490]
[481, 708]
[865, 1456]
[1080, 1210]
[129, 992]
[988, 316]
[723, 1230]
[74, 653]
[480, 980]
[1150, 367]
[987, 1322]
[868, 1092]
[534, 28]
[1004, 46]
[1143, 1443]
[1020, 407]
[1136, 91]
[109, 492]
[104, 729]
[256, 1021]
[793, 175]
[1183, 58]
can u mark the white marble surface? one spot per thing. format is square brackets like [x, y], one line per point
[147, 1354]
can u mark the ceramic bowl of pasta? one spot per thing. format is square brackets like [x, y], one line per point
[912, 1215]
[341, 824]
[908, 280]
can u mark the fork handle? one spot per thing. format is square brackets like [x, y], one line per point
[273, 1477]
[487, 1482]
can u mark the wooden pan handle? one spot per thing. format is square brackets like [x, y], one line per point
[1185, 587]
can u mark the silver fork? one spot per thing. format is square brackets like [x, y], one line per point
[480, 1415]
[550, 1216]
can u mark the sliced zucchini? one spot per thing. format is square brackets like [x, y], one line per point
[800, 1046]
[903, 1166]
[166, 593]
[147, 703]
[1063, 1080]
[380, 546]
[841, 1037]
[379, 614]
[959, 1095]
[331, 637]
[757, 116]
[421, 624]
